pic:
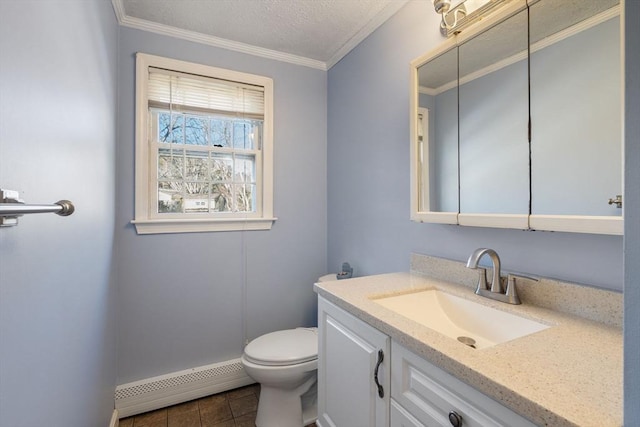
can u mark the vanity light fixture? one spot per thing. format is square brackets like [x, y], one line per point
[457, 14]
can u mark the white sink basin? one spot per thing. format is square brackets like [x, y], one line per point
[457, 317]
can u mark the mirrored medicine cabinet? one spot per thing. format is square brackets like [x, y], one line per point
[517, 121]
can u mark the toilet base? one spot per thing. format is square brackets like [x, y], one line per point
[284, 408]
[310, 406]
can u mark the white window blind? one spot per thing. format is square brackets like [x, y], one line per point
[181, 91]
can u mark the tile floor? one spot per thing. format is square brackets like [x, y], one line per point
[235, 408]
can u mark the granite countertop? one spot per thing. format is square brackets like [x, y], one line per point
[567, 375]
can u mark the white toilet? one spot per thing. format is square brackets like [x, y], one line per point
[285, 363]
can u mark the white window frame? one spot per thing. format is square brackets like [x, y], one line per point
[147, 220]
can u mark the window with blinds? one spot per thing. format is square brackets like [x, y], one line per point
[205, 136]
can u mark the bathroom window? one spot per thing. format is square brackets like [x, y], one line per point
[203, 148]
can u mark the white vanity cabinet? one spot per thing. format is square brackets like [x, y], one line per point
[400, 417]
[415, 392]
[348, 358]
[426, 396]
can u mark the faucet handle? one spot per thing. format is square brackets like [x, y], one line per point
[482, 279]
[512, 291]
[512, 277]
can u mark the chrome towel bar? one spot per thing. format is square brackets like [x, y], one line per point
[62, 208]
[11, 207]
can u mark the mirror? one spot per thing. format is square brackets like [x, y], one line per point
[576, 108]
[494, 103]
[540, 120]
[437, 133]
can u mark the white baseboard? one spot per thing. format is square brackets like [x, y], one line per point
[177, 387]
[115, 419]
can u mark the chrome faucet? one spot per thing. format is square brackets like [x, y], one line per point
[474, 258]
[508, 295]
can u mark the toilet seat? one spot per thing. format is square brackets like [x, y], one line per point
[281, 348]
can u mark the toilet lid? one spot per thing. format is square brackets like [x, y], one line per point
[287, 347]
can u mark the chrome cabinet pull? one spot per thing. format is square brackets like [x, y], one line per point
[375, 373]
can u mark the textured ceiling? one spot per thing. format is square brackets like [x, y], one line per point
[320, 30]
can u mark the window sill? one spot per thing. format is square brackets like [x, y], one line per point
[163, 226]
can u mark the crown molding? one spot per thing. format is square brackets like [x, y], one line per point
[380, 18]
[118, 8]
[144, 25]
[428, 91]
[166, 30]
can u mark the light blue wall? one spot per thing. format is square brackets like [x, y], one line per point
[57, 141]
[181, 295]
[632, 216]
[368, 174]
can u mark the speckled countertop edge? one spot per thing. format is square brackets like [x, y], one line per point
[567, 375]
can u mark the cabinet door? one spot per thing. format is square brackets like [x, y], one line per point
[348, 358]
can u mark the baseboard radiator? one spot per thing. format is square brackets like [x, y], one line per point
[166, 390]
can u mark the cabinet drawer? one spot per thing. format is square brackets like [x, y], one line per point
[430, 394]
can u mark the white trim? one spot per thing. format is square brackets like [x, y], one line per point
[391, 9]
[146, 221]
[177, 387]
[159, 226]
[428, 91]
[141, 24]
[415, 213]
[115, 419]
[517, 221]
[610, 225]
[441, 49]
[435, 217]
[578, 224]
[414, 166]
[420, 190]
[118, 8]
[166, 30]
